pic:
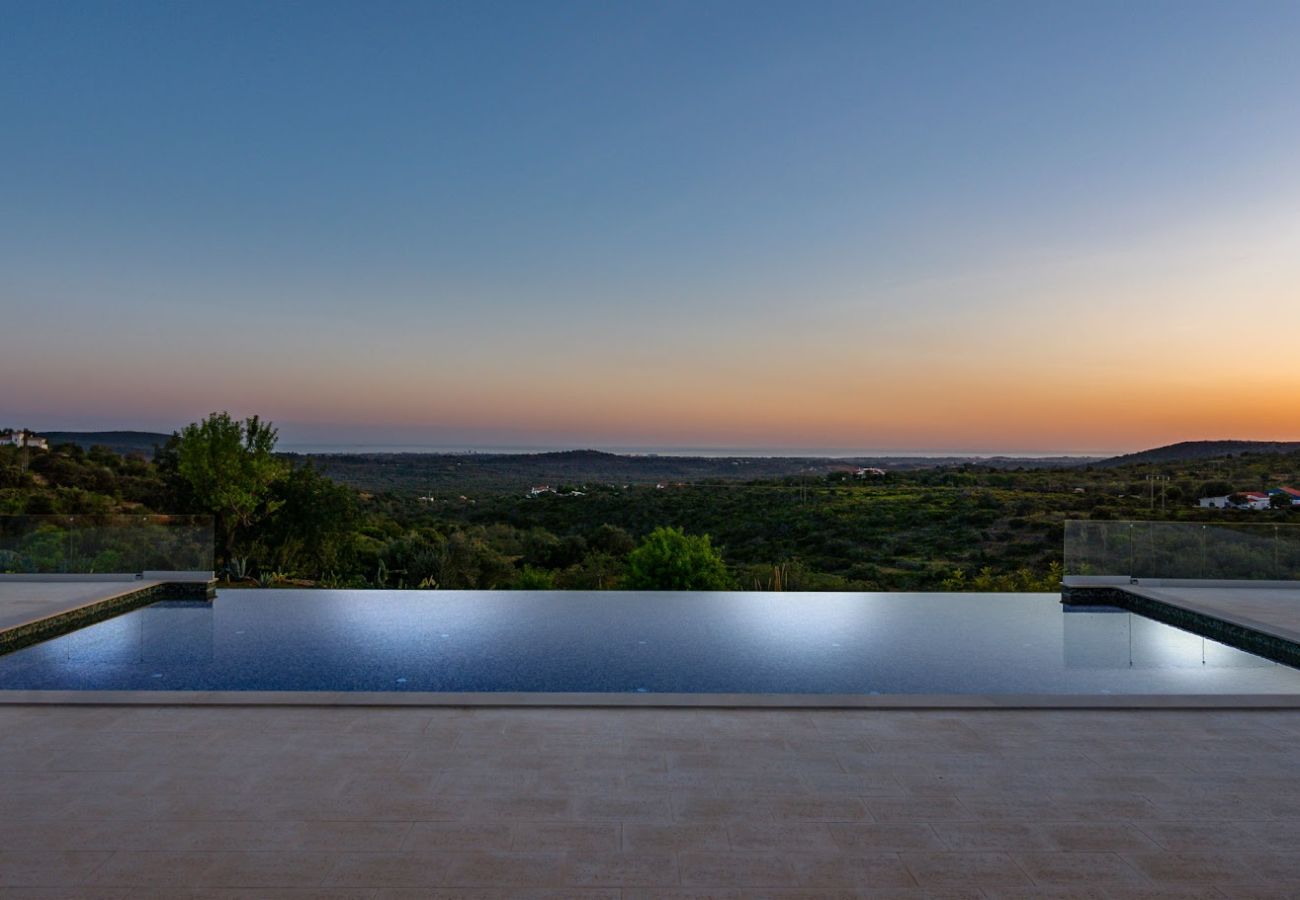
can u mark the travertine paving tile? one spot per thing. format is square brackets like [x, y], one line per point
[695, 808]
[803, 894]
[1192, 867]
[388, 870]
[1093, 836]
[527, 870]
[843, 783]
[887, 836]
[623, 809]
[1213, 835]
[818, 809]
[150, 869]
[808, 837]
[1107, 892]
[736, 870]
[31, 868]
[622, 869]
[588, 838]
[993, 836]
[1280, 868]
[917, 809]
[447, 837]
[642, 837]
[214, 893]
[1085, 868]
[963, 869]
[515, 893]
[874, 871]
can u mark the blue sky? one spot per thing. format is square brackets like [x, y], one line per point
[797, 224]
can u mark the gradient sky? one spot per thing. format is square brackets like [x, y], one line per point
[980, 226]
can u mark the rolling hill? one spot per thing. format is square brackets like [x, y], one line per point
[1193, 450]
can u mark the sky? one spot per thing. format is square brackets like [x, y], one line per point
[994, 226]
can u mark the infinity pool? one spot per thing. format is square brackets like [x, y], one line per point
[250, 640]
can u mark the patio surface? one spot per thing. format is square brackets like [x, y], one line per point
[131, 802]
[1274, 611]
[27, 601]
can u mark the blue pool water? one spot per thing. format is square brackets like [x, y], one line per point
[639, 642]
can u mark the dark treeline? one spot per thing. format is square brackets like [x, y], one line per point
[280, 520]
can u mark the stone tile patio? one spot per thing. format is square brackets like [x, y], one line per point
[130, 802]
[1274, 611]
[27, 601]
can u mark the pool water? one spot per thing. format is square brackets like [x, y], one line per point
[249, 640]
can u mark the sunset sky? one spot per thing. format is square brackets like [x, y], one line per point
[987, 226]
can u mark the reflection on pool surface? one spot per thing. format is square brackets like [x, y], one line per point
[639, 641]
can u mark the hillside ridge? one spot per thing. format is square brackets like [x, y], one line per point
[1193, 450]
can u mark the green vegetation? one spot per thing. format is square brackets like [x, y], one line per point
[448, 521]
[226, 468]
[671, 560]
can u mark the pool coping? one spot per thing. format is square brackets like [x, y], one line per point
[140, 592]
[106, 606]
[623, 700]
[1262, 639]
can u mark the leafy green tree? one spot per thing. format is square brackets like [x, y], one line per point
[671, 560]
[228, 468]
[311, 527]
[612, 540]
[469, 562]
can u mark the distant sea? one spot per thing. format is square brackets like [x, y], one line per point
[758, 452]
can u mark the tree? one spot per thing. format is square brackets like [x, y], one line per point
[612, 540]
[671, 560]
[228, 468]
[311, 528]
[1215, 489]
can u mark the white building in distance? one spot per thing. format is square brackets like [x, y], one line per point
[21, 437]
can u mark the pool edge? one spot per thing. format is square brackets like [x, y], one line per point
[678, 701]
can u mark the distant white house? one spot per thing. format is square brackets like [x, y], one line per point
[1291, 493]
[1246, 500]
[869, 471]
[540, 489]
[21, 437]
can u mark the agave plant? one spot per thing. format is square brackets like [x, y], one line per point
[267, 579]
[238, 569]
